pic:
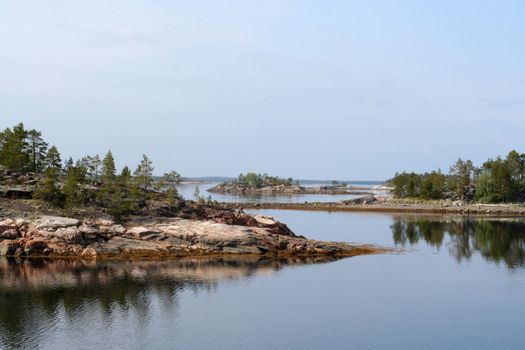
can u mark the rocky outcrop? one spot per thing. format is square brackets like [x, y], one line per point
[233, 188]
[51, 236]
[17, 192]
[361, 200]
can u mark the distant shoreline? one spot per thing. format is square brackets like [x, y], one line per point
[489, 210]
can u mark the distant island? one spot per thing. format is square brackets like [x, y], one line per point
[85, 209]
[253, 184]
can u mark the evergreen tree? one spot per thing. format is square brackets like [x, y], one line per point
[91, 166]
[143, 175]
[107, 178]
[71, 190]
[13, 149]
[461, 177]
[37, 149]
[108, 168]
[47, 190]
[118, 205]
[172, 195]
[171, 180]
[53, 159]
[124, 181]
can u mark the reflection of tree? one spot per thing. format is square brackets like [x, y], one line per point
[497, 240]
[34, 294]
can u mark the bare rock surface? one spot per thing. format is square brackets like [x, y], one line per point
[235, 188]
[52, 236]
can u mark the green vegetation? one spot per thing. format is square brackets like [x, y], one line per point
[495, 181]
[254, 180]
[88, 181]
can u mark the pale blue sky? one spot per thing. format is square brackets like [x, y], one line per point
[309, 89]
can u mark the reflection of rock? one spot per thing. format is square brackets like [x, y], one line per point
[237, 233]
[55, 274]
[48, 294]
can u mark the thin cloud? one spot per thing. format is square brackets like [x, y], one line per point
[506, 103]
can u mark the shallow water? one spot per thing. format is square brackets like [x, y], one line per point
[460, 284]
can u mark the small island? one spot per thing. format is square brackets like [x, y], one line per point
[264, 184]
[85, 209]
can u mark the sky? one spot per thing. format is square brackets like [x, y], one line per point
[352, 90]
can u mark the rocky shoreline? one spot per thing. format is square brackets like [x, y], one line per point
[232, 188]
[369, 205]
[161, 238]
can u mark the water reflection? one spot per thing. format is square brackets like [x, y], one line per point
[497, 240]
[36, 296]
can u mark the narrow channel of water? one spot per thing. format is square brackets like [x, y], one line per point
[188, 190]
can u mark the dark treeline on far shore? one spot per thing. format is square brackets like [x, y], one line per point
[86, 181]
[254, 180]
[495, 181]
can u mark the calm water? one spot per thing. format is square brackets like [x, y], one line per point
[460, 284]
[188, 190]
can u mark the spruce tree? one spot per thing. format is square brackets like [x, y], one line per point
[71, 189]
[108, 179]
[47, 190]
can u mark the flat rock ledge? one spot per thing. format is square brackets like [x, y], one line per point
[61, 237]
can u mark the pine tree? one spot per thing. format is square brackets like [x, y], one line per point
[171, 180]
[37, 149]
[68, 164]
[13, 149]
[53, 159]
[144, 174]
[142, 181]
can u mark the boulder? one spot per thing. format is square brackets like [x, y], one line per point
[9, 229]
[8, 247]
[112, 230]
[141, 232]
[52, 223]
[360, 200]
[68, 234]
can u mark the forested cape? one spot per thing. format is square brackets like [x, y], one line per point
[24, 154]
[495, 181]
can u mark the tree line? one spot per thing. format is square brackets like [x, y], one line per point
[87, 181]
[254, 180]
[495, 181]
